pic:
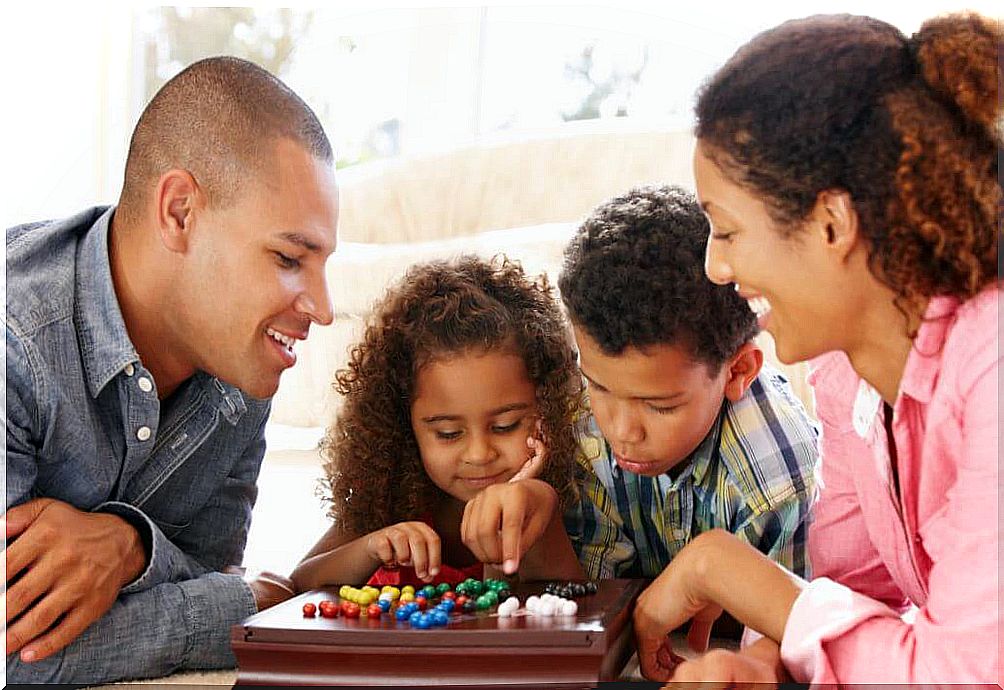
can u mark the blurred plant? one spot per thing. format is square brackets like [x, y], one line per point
[606, 82]
[178, 36]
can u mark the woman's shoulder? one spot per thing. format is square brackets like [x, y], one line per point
[834, 387]
[972, 343]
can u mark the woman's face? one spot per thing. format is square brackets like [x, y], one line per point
[789, 282]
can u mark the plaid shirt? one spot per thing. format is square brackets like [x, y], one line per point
[753, 475]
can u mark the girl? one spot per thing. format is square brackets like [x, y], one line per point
[851, 178]
[464, 367]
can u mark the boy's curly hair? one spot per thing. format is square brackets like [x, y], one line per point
[909, 127]
[633, 276]
[374, 472]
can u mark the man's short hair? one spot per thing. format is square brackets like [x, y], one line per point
[633, 276]
[219, 119]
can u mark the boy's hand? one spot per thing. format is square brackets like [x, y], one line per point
[504, 521]
[671, 600]
[538, 455]
[407, 543]
[722, 668]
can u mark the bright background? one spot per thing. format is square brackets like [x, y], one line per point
[386, 80]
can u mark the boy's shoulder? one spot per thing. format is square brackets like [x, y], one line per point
[768, 443]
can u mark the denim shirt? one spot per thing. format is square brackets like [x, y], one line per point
[85, 426]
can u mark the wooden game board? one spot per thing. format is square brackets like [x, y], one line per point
[280, 646]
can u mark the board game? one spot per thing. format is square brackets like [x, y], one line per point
[474, 649]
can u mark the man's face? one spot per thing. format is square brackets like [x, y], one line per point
[256, 272]
[654, 407]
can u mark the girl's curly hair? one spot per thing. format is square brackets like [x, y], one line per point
[374, 474]
[909, 127]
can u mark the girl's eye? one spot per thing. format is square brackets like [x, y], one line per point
[286, 261]
[448, 435]
[505, 429]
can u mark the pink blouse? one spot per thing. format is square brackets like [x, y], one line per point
[907, 589]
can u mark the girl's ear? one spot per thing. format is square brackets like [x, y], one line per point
[742, 368]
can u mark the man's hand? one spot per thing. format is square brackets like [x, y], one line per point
[65, 568]
[504, 521]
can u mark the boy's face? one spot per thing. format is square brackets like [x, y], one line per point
[653, 407]
[472, 414]
[256, 277]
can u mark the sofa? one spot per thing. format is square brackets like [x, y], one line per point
[519, 197]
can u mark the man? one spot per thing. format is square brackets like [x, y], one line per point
[143, 343]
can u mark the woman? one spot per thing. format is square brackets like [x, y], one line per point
[850, 176]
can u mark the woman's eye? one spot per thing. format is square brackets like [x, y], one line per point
[286, 261]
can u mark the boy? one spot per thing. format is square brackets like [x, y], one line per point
[688, 431]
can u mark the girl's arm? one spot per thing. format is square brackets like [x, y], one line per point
[340, 558]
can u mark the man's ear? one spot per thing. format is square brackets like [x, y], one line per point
[177, 196]
[837, 222]
[741, 369]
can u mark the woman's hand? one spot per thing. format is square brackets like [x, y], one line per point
[407, 543]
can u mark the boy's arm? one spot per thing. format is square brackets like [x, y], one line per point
[596, 529]
[781, 533]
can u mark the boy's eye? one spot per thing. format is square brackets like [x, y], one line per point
[724, 236]
[664, 410]
[286, 261]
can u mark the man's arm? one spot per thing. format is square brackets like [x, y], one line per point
[161, 630]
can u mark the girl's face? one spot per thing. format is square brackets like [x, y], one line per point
[472, 414]
[791, 283]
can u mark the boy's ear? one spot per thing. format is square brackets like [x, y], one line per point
[741, 369]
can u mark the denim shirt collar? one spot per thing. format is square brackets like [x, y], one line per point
[104, 342]
[105, 346]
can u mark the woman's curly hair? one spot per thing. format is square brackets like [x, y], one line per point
[374, 473]
[909, 127]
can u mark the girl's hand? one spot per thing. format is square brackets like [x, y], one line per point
[721, 668]
[504, 521]
[407, 543]
[538, 455]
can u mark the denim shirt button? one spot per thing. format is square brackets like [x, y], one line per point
[144, 384]
[143, 433]
[129, 370]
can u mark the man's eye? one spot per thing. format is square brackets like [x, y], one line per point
[286, 261]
